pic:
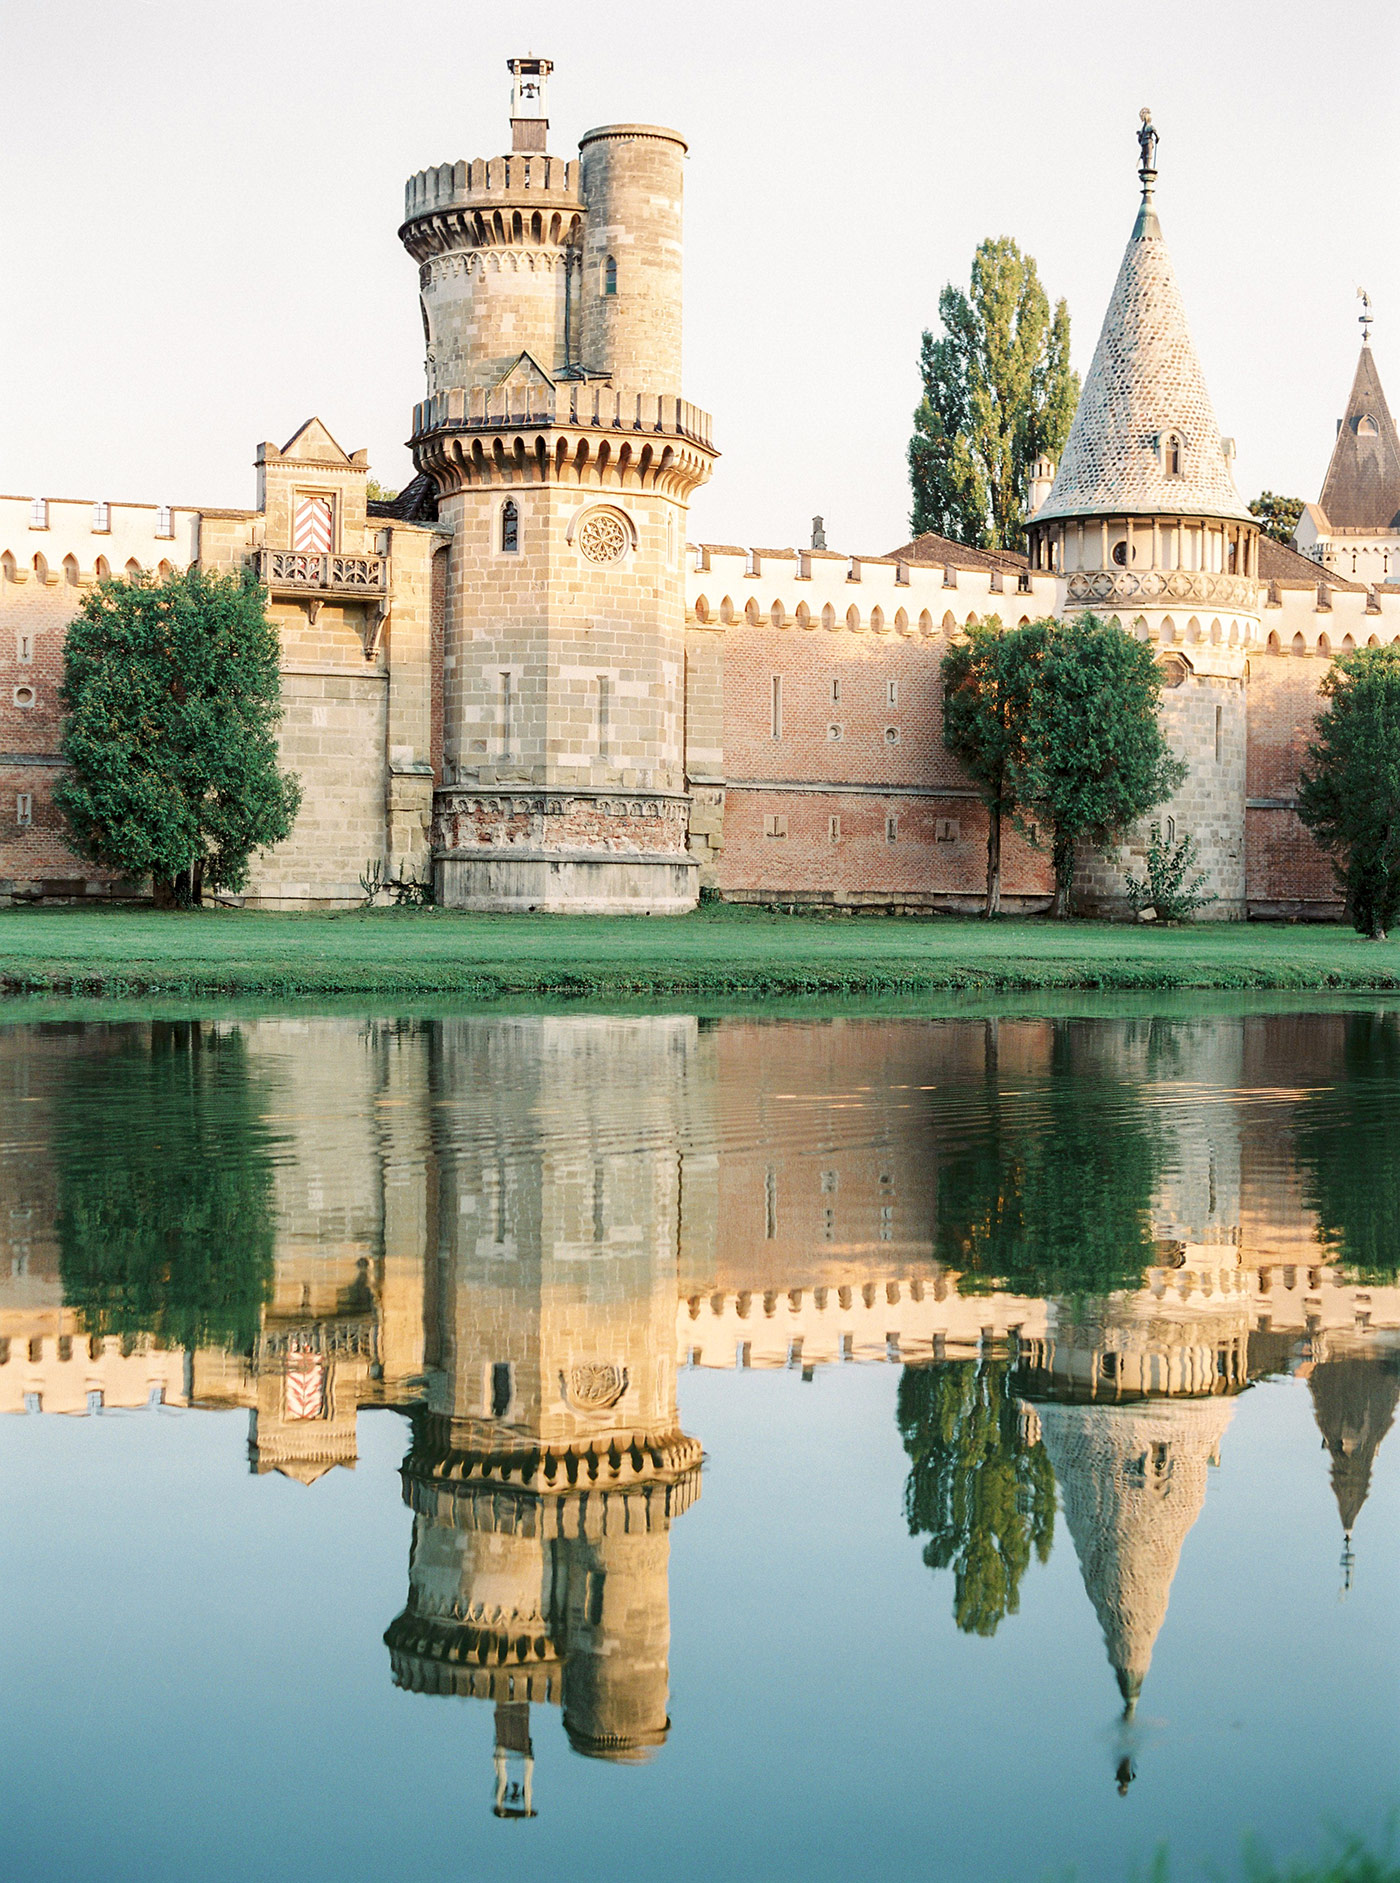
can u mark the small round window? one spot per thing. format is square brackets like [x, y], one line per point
[1120, 554]
[24, 696]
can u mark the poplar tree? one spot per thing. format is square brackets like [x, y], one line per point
[173, 694]
[982, 1493]
[1349, 791]
[998, 391]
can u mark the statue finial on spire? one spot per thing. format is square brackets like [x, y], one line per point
[1147, 151]
[1365, 316]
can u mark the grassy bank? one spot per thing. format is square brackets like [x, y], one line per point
[717, 951]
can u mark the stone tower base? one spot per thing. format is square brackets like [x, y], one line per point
[562, 852]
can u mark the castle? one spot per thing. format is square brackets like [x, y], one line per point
[519, 676]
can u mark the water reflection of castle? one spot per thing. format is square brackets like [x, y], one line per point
[518, 1230]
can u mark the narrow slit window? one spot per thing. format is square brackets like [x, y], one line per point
[836, 692]
[24, 809]
[501, 1389]
[891, 830]
[892, 693]
[1219, 732]
[604, 713]
[777, 706]
[510, 528]
[770, 1204]
[610, 275]
[507, 715]
[834, 829]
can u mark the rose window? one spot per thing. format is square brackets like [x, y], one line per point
[602, 536]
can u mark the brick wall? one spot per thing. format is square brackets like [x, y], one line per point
[857, 722]
[1286, 871]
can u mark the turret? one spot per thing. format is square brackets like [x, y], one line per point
[562, 458]
[1145, 527]
[631, 293]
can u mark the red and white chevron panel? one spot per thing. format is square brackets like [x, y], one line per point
[311, 529]
[304, 1389]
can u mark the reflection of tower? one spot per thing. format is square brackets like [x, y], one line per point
[1134, 1395]
[1354, 1396]
[548, 1466]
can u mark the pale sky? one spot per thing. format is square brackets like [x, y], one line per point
[199, 203]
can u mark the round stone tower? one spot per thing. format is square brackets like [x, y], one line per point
[1145, 527]
[630, 177]
[563, 458]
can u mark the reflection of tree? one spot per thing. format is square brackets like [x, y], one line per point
[1347, 1150]
[982, 1492]
[165, 1189]
[1053, 1193]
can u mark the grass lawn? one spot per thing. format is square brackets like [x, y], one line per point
[716, 950]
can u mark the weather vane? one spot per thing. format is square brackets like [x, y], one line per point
[1147, 151]
[1365, 316]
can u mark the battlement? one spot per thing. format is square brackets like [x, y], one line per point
[579, 404]
[467, 184]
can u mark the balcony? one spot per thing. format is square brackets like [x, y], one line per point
[289, 573]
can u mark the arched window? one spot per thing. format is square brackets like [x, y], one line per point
[828, 616]
[1366, 427]
[702, 609]
[510, 527]
[610, 275]
[804, 615]
[1171, 455]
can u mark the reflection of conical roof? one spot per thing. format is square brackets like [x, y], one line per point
[1354, 1400]
[1145, 382]
[1362, 488]
[1133, 1479]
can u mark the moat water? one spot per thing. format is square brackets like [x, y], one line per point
[646, 1445]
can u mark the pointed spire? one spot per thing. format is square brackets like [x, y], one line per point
[1145, 439]
[1354, 1401]
[1133, 1480]
[1362, 487]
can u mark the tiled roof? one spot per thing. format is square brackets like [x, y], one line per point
[1285, 568]
[942, 549]
[1362, 487]
[1145, 382]
[415, 503]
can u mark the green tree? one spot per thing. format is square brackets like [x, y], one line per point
[379, 493]
[1349, 791]
[1348, 1150]
[1278, 516]
[986, 696]
[165, 1188]
[982, 1494]
[998, 391]
[173, 694]
[1096, 758]
[1050, 1191]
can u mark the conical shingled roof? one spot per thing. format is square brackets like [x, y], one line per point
[1145, 382]
[1133, 1480]
[1362, 487]
[1354, 1399]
